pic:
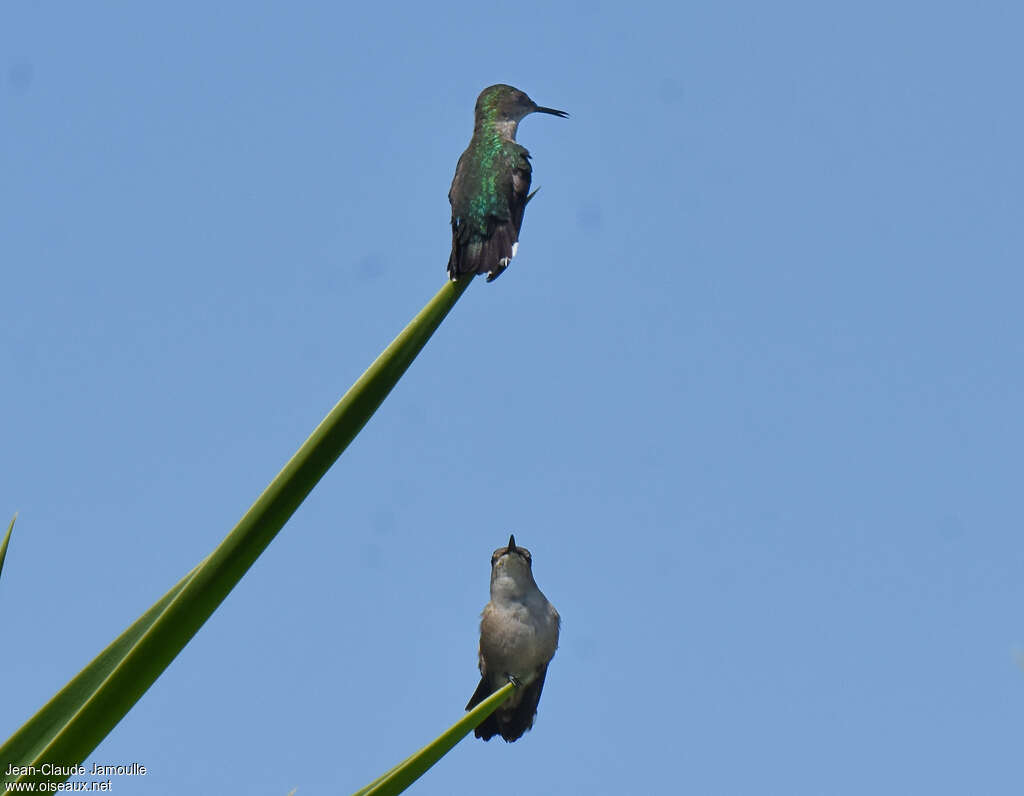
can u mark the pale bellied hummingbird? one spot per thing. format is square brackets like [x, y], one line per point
[518, 638]
[491, 185]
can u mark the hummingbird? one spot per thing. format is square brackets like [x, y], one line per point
[491, 185]
[518, 639]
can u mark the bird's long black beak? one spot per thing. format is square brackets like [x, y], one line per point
[512, 543]
[552, 111]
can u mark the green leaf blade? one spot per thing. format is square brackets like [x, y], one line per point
[79, 717]
[6, 541]
[412, 768]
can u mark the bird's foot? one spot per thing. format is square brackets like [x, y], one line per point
[499, 269]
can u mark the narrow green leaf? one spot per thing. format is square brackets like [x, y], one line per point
[74, 722]
[6, 541]
[412, 768]
[28, 743]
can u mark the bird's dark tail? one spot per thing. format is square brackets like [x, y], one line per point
[489, 254]
[513, 723]
[509, 723]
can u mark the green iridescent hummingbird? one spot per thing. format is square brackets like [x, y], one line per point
[491, 185]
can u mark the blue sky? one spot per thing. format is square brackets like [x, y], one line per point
[751, 391]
